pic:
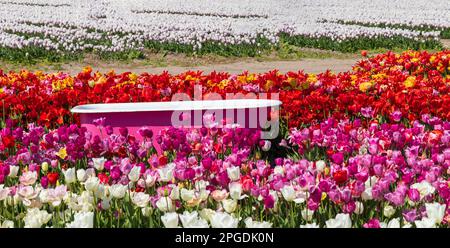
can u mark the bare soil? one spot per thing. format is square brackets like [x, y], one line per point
[307, 65]
[289, 59]
[446, 43]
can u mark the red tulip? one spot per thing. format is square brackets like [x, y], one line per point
[52, 177]
[103, 178]
[340, 176]
[8, 141]
[162, 160]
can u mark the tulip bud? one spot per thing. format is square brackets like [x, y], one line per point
[359, 207]
[44, 166]
[54, 163]
[229, 205]
[320, 165]
[257, 155]
[13, 171]
[105, 204]
[388, 211]
[147, 211]
[307, 214]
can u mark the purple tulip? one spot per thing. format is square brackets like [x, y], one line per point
[44, 182]
[269, 202]
[396, 116]
[338, 158]
[410, 215]
[414, 195]
[367, 112]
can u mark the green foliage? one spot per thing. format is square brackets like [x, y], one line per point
[445, 32]
[210, 47]
[31, 55]
[286, 47]
[354, 45]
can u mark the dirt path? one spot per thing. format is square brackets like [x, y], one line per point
[308, 65]
[446, 43]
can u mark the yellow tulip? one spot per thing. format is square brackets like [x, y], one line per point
[44, 166]
[324, 196]
[410, 82]
[62, 153]
[365, 86]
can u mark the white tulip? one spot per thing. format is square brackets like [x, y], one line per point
[359, 207]
[92, 184]
[118, 190]
[7, 224]
[407, 225]
[134, 174]
[235, 190]
[13, 171]
[99, 163]
[81, 175]
[425, 223]
[36, 218]
[187, 217]
[288, 192]
[69, 175]
[250, 223]
[175, 193]
[170, 220]
[223, 220]
[191, 220]
[320, 165]
[150, 181]
[307, 214]
[141, 199]
[28, 178]
[234, 173]
[147, 211]
[394, 223]
[310, 225]
[101, 191]
[166, 173]
[229, 205]
[388, 211]
[90, 172]
[201, 185]
[197, 223]
[203, 194]
[207, 213]
[367, 194]
[424, 188]
[187, 195]
[435, 211]
[4, 192]
[340, 221]
[82, 220]
[165, 204]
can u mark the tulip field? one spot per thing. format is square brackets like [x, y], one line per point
[367, 148]
[58, 30]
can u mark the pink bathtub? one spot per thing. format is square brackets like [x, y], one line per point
[248, 113]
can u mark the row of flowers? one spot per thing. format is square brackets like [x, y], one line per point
[413, 83]
[199, 26]
[337, 173]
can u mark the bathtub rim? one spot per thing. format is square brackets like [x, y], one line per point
[175, 106]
